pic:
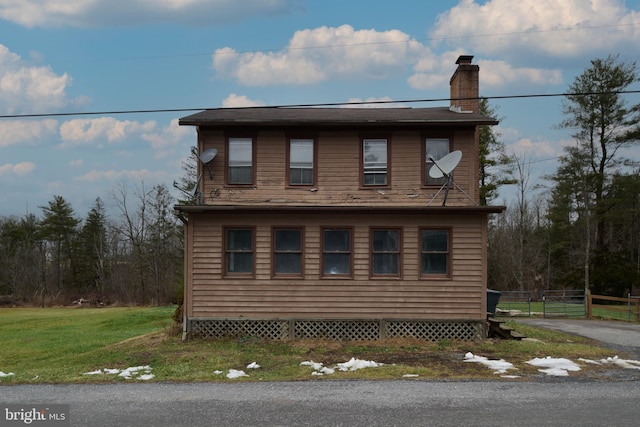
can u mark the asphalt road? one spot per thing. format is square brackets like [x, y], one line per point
[342, 403]
[614, 334]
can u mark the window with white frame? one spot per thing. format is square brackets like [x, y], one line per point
[374, 161]
[435, 148]
[240, 161]
[301, 161]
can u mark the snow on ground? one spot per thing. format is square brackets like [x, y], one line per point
[136, 372]
[551, 366]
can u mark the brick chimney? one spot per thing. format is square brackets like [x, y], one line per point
[464, 86]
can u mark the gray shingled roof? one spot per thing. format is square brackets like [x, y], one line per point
[276, 116]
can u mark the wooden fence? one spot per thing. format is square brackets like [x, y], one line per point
[622, 308]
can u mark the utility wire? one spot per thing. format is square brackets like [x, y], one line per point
[330, 104]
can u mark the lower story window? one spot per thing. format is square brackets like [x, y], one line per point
[287, 251]
[239, 250]
[385, 252]
[435, 252]
[336, 251]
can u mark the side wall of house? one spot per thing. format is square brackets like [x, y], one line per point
[462, 296]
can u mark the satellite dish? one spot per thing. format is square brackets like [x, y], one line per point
[445, 165]
[207, 157]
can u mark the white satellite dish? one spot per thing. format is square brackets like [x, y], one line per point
[445, 165]
[206, 157]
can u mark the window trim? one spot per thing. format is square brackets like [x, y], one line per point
[225, 252]
[364, 138]
[274, 273]
[314, 174]
[254, 144]
[399, 253]
[322, 253]
[423, 161]
[439, 276]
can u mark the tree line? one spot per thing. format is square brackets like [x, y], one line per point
[581, 232]
[134, 256]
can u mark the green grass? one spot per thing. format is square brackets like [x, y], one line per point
[59, 345]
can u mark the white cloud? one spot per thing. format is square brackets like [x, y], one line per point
[29, 132]
[116, 175]
[316, 55]
[84, 131]
[237, 101]
[525, 28]
[99, 13]
[19, 169]
[76, 162]
[28, 88]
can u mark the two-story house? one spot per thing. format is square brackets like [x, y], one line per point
[325, 222]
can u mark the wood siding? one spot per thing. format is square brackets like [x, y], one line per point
[339, 169]
[212, 295]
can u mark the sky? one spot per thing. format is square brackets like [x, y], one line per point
[104, 57]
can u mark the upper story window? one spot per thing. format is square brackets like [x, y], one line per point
[375, 161]
[301, 161]
[240, 163]
[435, 148]
[435, 252]
[287, 251]
[385, 252]
[336, 252]
[239, 247]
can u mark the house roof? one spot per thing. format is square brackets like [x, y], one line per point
[262, 209]
[287, 116]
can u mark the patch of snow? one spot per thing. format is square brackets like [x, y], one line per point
[624, 363]
[232, 374]
[218, 372]
[3, 375]
[132, 372]
[500, 366]
[410, 375]
[253, 365]
[558, 367]
[355, 364]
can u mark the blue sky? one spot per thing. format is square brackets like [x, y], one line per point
[114, 55]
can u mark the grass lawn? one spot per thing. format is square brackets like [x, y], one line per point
[59, 345]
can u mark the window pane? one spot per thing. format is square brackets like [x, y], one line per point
[240, 161]
[375, 161]
[287, 240]
[385, 241]
[337, 263]
[435, 240]
[300, 176]
[434, 264]
[239, 240]
[337, 241]
[288, 263]
[385, 263]
[240, 262]
[436, 148]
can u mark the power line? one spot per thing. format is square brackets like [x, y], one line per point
[329, 104]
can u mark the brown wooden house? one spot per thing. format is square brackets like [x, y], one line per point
[325, 222]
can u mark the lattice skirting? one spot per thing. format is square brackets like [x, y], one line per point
[343, 330]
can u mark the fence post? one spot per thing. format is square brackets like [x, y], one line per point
[589, 303]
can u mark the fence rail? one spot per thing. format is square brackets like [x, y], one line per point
[549, 303]
[627, 308]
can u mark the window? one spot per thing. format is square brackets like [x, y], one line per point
[336, 251]
[435, 148]
[374, 161]
[301, 162]
[240, 163]
[385, 252]
[239, 250]
[435, 252]
[287, 251]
